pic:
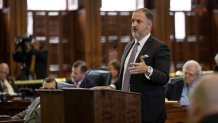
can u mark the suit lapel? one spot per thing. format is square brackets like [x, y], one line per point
[180, 88]
[127, 51]
[84, 83]
[142, 52]
[144, 48]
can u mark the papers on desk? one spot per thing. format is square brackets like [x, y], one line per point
[171, 101]
[4, 117]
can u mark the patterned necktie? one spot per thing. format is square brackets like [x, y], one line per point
[125, 86]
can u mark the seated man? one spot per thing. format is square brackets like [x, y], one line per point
[78, 75]
[5, 85]
[204, 100]
[178, 90]
[32, 113]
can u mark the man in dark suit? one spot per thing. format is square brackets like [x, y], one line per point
[78, 76]
[179, 90]
[173, 89]
[39, 71]
[204, 100]
[149, 70]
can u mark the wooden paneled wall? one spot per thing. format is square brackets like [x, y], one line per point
[162, 24]
[213, 30]
[55, 27]
[14, 23]
[88, 34]
[78, 34]
[200, 42]
[116, 33]
[3, 45]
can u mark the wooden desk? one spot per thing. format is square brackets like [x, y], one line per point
[12, 108]
[176, 113]
[12, 121]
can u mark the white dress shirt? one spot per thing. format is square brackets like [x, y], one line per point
[140, 46]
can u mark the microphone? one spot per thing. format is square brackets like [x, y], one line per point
[99, 60]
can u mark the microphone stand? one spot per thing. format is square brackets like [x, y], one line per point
[99, 60]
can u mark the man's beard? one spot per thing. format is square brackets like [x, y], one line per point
[136, 34]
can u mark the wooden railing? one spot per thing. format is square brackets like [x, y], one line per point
[39, 81]
[176, 113]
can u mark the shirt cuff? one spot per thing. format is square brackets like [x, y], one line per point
[112, 86]
[149, 73]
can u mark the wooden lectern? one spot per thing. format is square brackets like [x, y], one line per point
[89, 106]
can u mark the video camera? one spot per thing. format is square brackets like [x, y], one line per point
[23, 44]
[22, 41]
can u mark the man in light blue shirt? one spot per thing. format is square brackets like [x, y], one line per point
[179, 90]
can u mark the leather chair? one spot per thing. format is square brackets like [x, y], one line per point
[64, 85]
[100, 77]
[27, 93]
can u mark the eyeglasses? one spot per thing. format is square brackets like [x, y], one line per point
[189, 74]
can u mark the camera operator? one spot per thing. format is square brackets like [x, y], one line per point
[39, 58]
[33, 57]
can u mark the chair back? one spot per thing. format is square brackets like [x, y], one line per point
[100, 77]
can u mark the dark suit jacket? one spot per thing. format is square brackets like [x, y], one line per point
[210, 119]
[153, 104]
[40, 63]
[70, 81]
[215, 69]
[87, 83]
[174, 90]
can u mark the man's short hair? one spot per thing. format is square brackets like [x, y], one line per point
[4, 68]
[50, 80]
[147, 12]
[195, 64]
[81, 64]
